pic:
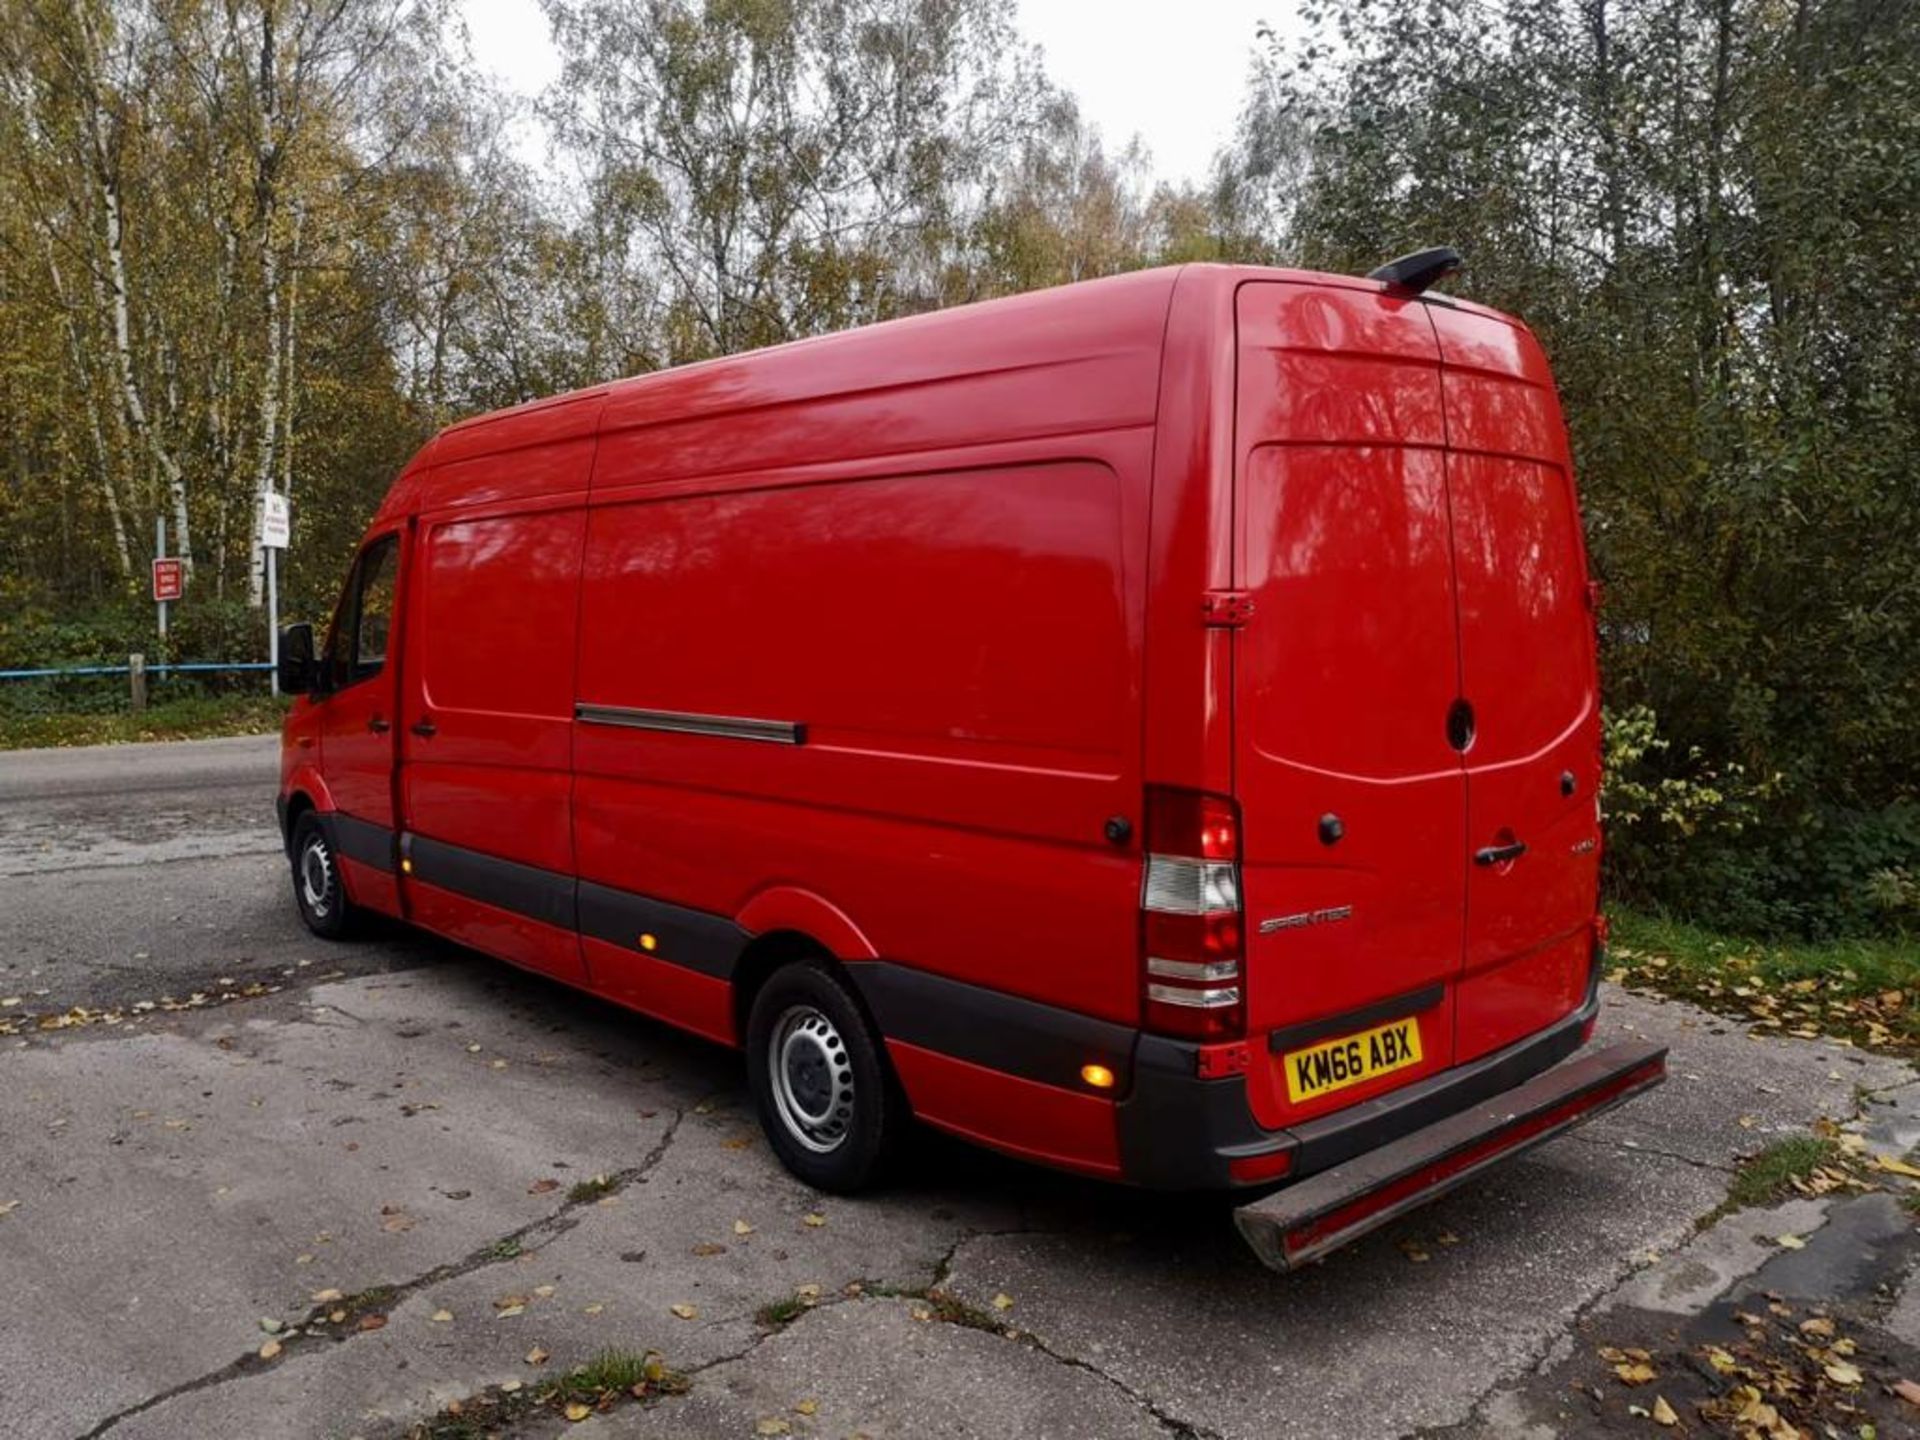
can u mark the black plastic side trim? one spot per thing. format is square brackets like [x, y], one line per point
[361, 840]
[680, 722]
[700, 941]
[525, 889]
[1002, 1032]
[1378, 1013]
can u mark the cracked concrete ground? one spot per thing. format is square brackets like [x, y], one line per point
[412, 1130]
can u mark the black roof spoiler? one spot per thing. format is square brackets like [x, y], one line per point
[1417, 271]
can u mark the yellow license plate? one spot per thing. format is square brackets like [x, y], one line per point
[1335, 1064]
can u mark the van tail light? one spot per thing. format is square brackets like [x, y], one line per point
[1192, 936]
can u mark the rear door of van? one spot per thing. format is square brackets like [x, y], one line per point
[1527, 670]
[1346, 677]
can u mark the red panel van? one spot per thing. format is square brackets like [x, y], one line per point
[1149, 727]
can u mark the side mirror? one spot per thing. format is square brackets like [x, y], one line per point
[299, 674]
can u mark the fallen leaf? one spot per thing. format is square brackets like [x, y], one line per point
[738, 1142]
[338, 1317]
[1820, 1325]
[772, 1425]
[685, 1311]
[545, 1292]
[593, 1309]
[806, 1407]
[1663, 1412]
[511, 1302]
[509, 1386]
[373, 1322]
[270, 1325]
[1003, 1301]
[543, 1187]
[1842, 1372]
[816, 1220]
[1907, 1391]
[322, 1297]
[441, 1317]
[740, 1227]
[398, 1223]
[269, 1350]
[1791, 1242]
[577, 1412]
[537, 1356]
[509, 1311]
[1897, 1167]
[497, 1064]
[1636, 1372]
[709, 1248]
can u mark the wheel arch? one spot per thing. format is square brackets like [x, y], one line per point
[298, 803]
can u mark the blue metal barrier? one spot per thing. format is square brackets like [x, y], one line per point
[183, 667]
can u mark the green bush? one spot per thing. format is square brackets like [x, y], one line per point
[32, 637]
[1754, 856]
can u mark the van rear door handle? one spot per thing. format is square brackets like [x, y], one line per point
[1497, 854]
[426, 730]
[378, 724]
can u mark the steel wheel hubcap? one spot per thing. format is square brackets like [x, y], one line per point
[316, 878]
[812, 1076]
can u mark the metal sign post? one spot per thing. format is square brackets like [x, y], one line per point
[166, 577]
[276, 528]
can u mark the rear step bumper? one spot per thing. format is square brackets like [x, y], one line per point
[1303, 1222]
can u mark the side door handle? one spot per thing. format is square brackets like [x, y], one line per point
[378, 724]
[424, 728]
[1498, 854]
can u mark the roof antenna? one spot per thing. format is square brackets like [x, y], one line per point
[1417, 271]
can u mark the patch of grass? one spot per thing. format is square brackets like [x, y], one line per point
[188, 718]
[1767, 1178]
[957, 1312]
[776, 1313]
[1866, 991]
[1799, 1165]
[504, 1250]
[590, 1190]
[616, 1372]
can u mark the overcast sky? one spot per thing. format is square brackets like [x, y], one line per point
[1171, 72]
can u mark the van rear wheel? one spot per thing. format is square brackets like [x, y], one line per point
[820, 1079]
[317, 888]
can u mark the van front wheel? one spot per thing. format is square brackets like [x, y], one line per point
[820, 1080]
[316, 881]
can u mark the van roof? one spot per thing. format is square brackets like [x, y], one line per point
[1011, 332]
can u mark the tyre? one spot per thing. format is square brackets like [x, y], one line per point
[827, 1099]
[316, 881]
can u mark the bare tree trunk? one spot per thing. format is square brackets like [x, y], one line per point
[267, 156]
[83, 374]
[107, 182]
[287, 369]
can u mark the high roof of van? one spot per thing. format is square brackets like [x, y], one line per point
[1086, 323]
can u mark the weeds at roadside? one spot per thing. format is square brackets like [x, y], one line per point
[1811, 1166]
[588, 1191]
[777, 1313]
[196, 717]
[612, 1378]
[1865, 992]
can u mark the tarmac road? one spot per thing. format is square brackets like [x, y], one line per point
[404, 1122]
